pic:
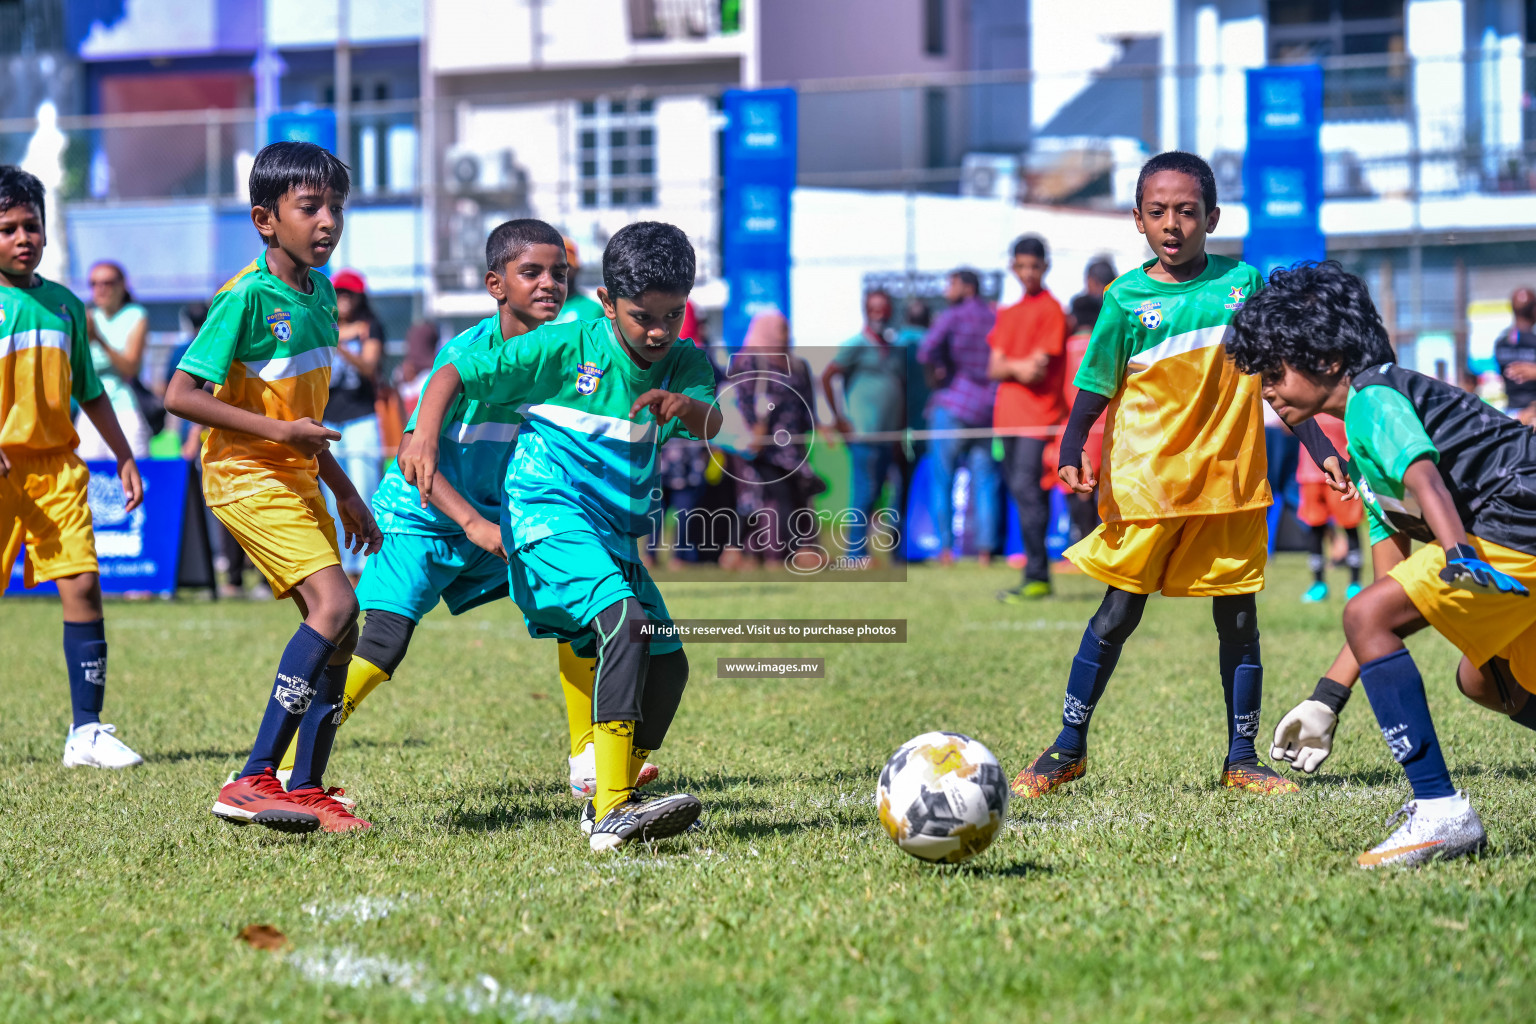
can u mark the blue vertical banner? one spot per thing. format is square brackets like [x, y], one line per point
[1283, 168]
[761, 145]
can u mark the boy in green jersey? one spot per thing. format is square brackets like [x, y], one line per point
[598, 398]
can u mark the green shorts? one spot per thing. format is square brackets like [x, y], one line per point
[562, 582]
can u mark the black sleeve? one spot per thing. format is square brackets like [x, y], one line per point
[1086, 410]
[1316, 442]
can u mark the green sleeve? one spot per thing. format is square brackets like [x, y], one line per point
[1109, 352]
[847, 355]
[507, 375]
[1393, 436]
[213, 350]
[84, 383]
[447, 354]
[696, 379]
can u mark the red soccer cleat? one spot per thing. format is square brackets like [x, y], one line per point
[260, 800]
[332, 813]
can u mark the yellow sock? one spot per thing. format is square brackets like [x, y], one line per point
[614, 743]
[576, 677]
[362, 677]
[637, 758]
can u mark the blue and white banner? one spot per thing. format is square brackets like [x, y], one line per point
[760, 163]
[1283, 168]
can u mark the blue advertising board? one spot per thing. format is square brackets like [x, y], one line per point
[317, 126]
[1283, 168]
[760, 151]
[138, 550]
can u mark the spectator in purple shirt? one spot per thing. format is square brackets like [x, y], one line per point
[955, 352]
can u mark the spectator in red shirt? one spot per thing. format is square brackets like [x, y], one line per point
[1028, 359]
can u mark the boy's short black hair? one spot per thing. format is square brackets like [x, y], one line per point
[1308, 317]
[508, 241]
[1184, 163]
[1085, 310]
[284, 166]
[967, 277]
[1100, 270]
[648, 256]
[20, 188]
[1030, 245]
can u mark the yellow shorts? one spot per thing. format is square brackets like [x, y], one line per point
[288, 537]
[1482, 626]
[42, 502]
[1193, 556]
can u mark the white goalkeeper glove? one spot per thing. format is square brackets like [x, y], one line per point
[1304, 737]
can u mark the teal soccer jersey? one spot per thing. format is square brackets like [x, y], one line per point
[581, 462]
[474, 448]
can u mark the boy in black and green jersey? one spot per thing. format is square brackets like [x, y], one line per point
[1433, 464]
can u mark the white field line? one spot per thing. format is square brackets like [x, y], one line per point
[348, 967]
[358, 909]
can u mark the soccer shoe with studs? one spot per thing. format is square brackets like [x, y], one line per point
[1256, 777]
[261, 800]
[335, 792]
[583, 776]
[589, 819]
[1425, 835]
[94, 745]
[642, 819]
[1029, 593]
[333, 814]
[1054, 767]
[1316, 593]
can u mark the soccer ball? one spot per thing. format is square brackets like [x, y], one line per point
[942, 797]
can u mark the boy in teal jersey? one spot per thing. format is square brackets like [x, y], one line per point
[578, 496]
[44, 362]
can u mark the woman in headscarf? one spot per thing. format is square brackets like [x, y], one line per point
[118, 329]
[773, 389]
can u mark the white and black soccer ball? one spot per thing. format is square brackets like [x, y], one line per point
[942, 797]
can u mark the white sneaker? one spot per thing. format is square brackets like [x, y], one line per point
[94, 745]
[1437, 829]
[584, 774]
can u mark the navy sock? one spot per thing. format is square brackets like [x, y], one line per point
[1242, 683]
[317, 730]
[85, 653]
[292, 692]
[1396, 692]
[1526, 716]
[1085, 685]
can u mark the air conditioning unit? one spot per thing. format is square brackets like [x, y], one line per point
[469, 171]
[990, 176]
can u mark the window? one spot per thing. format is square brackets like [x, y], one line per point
[933, 27]
[616, 152]
[1370, 80]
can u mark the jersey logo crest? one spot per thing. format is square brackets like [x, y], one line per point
[279, 324]
[587, 376]
[1150, 313]
[2, 314]
[1235, 298]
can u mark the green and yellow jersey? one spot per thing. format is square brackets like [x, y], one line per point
[45, 360]
[1186, 431]
[268, 347]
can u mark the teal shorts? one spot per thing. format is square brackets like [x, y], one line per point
[413, 570]
[562, 582]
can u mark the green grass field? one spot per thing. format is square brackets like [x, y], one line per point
[1143, 892]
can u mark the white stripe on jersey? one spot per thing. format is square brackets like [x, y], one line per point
[287, 367]
[470, 433]
[1178, 345]
[592, 424]
[37, 338]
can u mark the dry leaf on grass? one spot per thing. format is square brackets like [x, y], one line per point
[263, 936]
